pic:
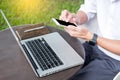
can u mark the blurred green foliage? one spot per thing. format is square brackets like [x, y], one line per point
[20, 12]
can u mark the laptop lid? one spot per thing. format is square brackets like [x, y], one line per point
[9, 26]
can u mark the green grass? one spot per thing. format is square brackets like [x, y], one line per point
[20, 12]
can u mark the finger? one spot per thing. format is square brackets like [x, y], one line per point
[70, 18]
[64, 15]
[67, 30]
[72, 31]
[71, 28]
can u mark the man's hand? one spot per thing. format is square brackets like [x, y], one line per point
[79, 18]
[69, 17]
[79, 32]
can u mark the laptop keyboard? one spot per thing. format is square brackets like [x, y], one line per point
[43, 54]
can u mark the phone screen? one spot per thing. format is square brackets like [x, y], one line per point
[64, 23]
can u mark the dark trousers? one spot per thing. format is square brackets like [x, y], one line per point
[97, 66]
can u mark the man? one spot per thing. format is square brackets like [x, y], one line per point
[102, 51]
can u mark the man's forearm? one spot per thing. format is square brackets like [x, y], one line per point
[110, 45]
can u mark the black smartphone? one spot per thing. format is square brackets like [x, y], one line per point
[62, 23]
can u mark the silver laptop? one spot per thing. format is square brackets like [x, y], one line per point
[48, 53]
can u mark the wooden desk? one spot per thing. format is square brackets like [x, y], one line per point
[14, 66]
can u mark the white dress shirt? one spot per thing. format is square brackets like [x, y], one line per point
[108, 15]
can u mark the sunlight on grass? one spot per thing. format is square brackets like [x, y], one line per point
[28, 4]
[31, 5]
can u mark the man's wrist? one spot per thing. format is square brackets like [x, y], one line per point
[89, 36]
[93, 41]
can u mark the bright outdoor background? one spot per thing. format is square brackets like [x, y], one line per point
[20, 12]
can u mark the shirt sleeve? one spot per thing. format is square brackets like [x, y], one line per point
[89, 7]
